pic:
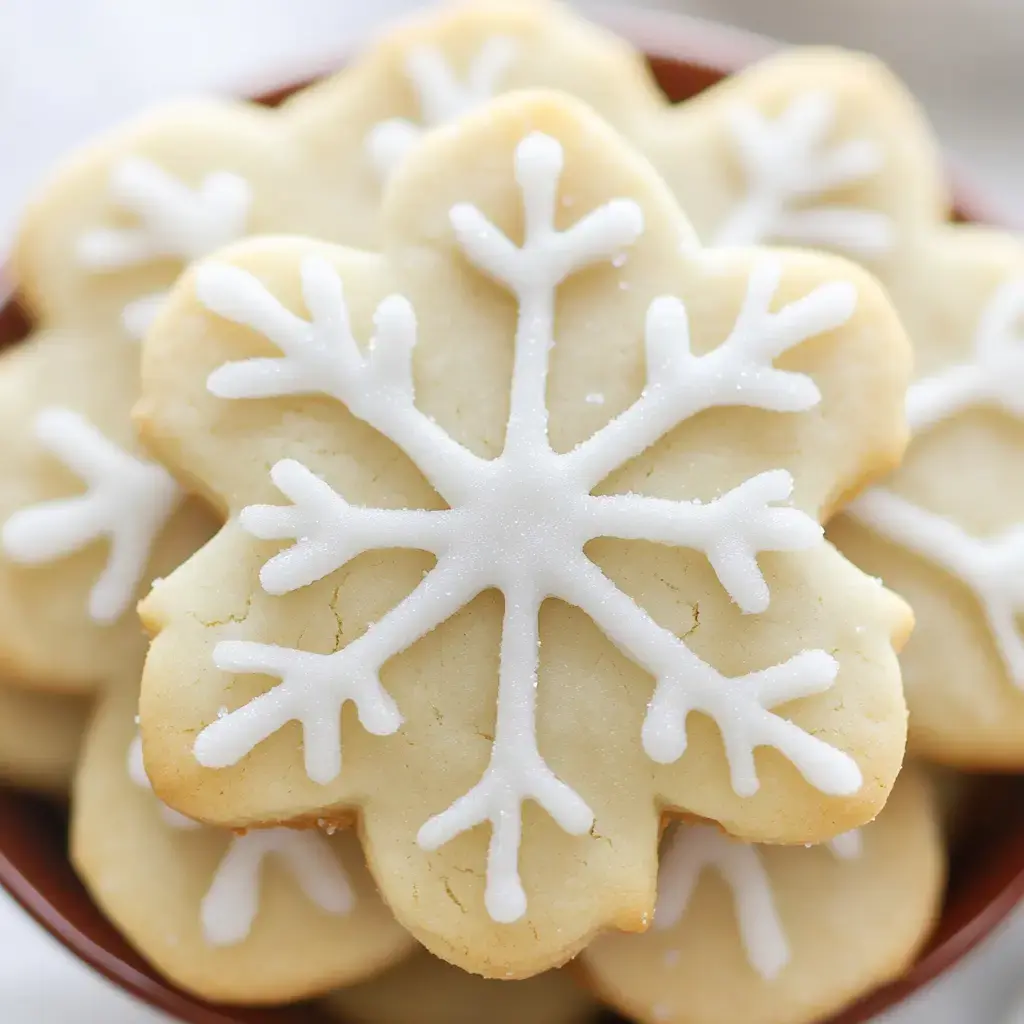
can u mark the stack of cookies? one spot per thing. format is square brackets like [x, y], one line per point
[451, 556]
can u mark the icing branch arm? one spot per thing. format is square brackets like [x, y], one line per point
[939, 398]
[992, 568]
[128, 502]
[174, 221]
[740, 706]
[441, 97]
[329, 532]
[314, 687]
[730, 531]
[786, 161]
[993, 377]
[137, 774]
[320, 356]
[737, 372]
[516, 771]
[533, 271]
[229, 907]
[694, 848]
[547, 256]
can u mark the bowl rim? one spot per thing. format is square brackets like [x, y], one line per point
[661, 35]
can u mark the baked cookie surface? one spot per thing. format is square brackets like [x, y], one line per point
[268, 917]
[779, 935]
[500, 673]
[40, 734]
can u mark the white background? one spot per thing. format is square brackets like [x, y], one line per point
[70, 67]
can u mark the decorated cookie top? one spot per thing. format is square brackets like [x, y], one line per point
[87, 518]
[523, 592]
[779, 935]
[816, 148]
[271, 916]
[947, 528]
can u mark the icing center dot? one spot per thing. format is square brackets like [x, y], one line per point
[521, 513]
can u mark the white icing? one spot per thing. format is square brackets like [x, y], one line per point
[518, 523]
[440, 95]
[788, 167]
[848, 845]
[231, 903]
[128, 502]
[692, 848]
[993, 377]
[139, 314]
[137, 774]
[992, 567]
[174, 222]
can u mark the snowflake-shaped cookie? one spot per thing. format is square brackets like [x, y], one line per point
[268, 917]
[808, 148]
[775, 933]
[88, 519]
[948, 528]
[462, 430]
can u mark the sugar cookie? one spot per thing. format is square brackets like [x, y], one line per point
[40, 734]
[267, 917]
[255, 393]
[425, 990]
[779, 935]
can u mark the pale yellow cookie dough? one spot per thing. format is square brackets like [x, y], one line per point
[425, 990]
[84, 361]
[48, 640]
[446, 685]
[150, 875]
[850, 924]
[40, 734]
[966, 694]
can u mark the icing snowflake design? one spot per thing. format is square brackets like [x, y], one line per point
[788, 167]
[440, 95]
[127, 502]
[231, 904]
[518, 523]
[992, 567]
[174, 222]
[694, 848]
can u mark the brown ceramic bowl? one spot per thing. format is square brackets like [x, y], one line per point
[987, 870]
